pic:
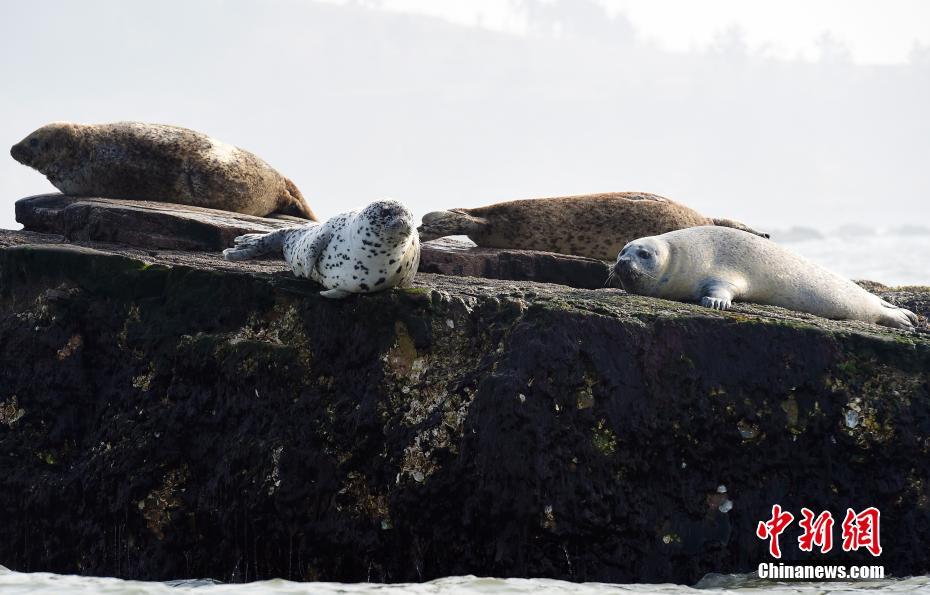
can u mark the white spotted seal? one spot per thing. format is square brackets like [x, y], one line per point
[716, 265]
[133, 160]
[592, 225]
[356, 252]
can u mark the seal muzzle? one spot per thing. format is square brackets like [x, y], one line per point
[21, 153]
[628, 273]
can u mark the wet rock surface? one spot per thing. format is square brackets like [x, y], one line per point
[167, 226]
[462, 258]
[141, 223]
[166, 414]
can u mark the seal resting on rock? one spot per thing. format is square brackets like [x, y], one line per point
[592, 225]
[356, 252]
[133, 160]
[717, 265]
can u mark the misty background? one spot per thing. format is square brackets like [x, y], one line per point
[811, 114]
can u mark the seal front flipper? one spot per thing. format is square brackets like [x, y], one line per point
[335, 294]
[303, 252]
[717, 294]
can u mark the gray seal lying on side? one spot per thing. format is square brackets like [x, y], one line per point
[592, 225]
[717, 265]
[138, 161]
[356, 252]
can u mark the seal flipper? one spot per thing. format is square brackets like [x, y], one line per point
[717, 294]
[335, 294]
[293, 203]
[439, 224]
[252, 245]
[740, 226]
[896, 317]
[303, 260]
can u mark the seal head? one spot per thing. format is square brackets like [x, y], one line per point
[387, 219]
[641, 265]
[52, 150]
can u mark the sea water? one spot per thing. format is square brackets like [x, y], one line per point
[40, 583]
[900, 257]
[889, 258]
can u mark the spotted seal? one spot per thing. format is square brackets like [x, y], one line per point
[717, 265]
[356, 252]
[133, 160]
[592, 225]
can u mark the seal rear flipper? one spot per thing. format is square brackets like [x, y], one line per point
[439, 224]
[294, 203]
[896, 317]
[740, 226]
[253, 245]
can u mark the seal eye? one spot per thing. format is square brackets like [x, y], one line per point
[644, 254]
[34, 142]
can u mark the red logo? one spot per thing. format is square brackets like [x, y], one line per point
[772, 528]
[817, 532]
[859, 530]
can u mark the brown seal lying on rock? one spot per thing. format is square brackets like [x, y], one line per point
[592, 225]
[158, 162]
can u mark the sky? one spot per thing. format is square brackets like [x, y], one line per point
[876, 32]
[777, 113]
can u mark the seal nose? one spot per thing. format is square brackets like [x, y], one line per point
[622, 264]
[626, 272]
[20, 153]
[395, 216]
[398, 222]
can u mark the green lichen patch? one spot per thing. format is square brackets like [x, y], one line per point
[603, 438]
